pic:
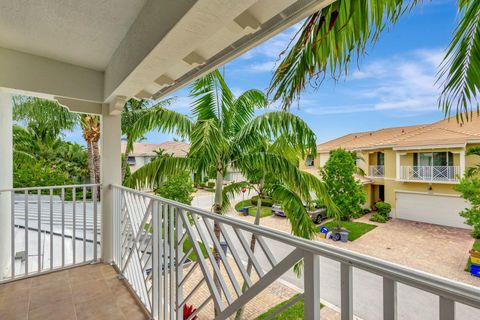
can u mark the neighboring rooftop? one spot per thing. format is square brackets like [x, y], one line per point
[177, 148]
[442, 133]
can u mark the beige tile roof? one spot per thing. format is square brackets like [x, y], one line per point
[176, 148]
[444, 132]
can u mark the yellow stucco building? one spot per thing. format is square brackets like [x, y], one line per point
[414, 168]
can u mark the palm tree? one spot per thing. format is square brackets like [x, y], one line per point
[132, 111]
[290, 194]
[90, 125]
[46, 118]
[223, 134]
[226, 133]
[332, 38]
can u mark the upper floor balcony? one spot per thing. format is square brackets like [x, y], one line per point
[376, 171]
[170, 255]
[430, 173]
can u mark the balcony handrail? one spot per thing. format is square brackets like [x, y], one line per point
[43, 224]
[443, 287]
[376, 170]
[69, 186]
[430, 173]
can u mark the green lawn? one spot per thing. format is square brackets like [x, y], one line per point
[295, 312]
[476, 246]
[356, 229]
[243, 203]
[264, 211]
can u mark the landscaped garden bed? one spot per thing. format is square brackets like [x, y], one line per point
[265, 211]
[355, 229]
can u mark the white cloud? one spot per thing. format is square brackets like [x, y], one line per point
[266, 66]
[402, 85]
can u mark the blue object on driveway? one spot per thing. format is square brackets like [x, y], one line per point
[324, 230]
[475, 270]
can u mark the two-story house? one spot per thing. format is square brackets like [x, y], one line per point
[143, 153]
[414, 168]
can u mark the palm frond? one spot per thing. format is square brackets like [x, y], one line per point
[212, 97]
[153, 173]
[292, 204]
[46, 117]
[328, 42]
[460, 69]
[229, 191]
[162, 119]
[243, 109]
[207, 144]
[275, 124]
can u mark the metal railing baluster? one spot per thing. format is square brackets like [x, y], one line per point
[51, 227]
[346, 291]
[74, 222]
[95, 229]
[389, 299]
[39, 230]
[84, 224]
[63, 226]
[26, 232]
[12, 236]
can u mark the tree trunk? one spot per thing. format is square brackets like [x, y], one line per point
[217, 208]
[91, 168]
[253, 241]
[125, 163]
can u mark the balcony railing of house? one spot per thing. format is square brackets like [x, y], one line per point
[376, 171]
[430, 173]
[163, 249]
[52, 228]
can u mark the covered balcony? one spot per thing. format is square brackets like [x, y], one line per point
[438, 167]
[103, 251]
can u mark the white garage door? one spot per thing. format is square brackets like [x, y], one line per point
[428, 208]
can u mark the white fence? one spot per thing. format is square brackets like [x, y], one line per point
[430, 173]
[174, 255]
[52, 228]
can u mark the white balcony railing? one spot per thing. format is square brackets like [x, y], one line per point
[376, 171]
[430, 173]
[52, 228]
[150, 237]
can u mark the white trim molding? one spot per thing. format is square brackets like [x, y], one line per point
[413, 148]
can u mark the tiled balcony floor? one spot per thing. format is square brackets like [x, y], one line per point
[86, 292]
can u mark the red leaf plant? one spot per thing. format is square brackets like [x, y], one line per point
[188, 311]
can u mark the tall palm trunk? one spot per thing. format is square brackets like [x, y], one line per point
[216, 226]
[91, 167]
[125, 163]
[253, 241]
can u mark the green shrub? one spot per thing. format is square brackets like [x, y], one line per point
[201, 184]
[470, 189]
[383, 209]
[211, 184]
[266, 202]
[378, 218]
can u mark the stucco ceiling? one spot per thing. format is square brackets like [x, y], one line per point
[81, 32]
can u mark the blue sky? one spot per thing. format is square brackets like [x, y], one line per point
[393, 85]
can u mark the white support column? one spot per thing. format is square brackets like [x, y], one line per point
[6, 180]
[462, 162]
[397, 165]
[111, 172]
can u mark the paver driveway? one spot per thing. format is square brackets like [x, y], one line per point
[431, 248]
